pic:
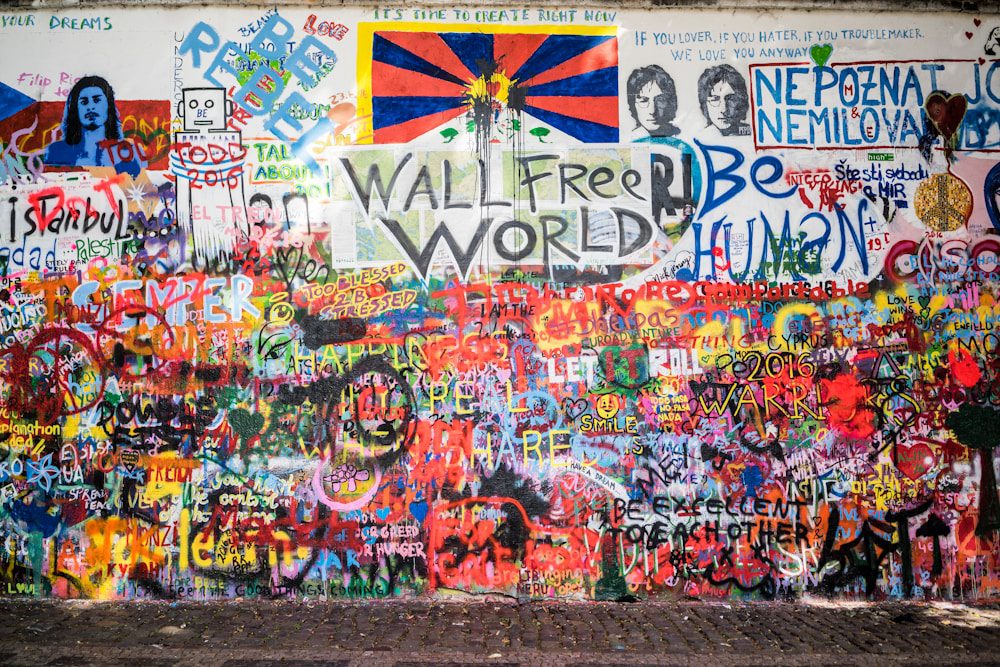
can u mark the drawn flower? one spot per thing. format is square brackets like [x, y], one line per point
[42, 472]
[346, 474]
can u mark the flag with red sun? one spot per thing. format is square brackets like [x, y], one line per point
[422, 80]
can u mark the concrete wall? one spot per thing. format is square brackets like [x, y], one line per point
[549, 303]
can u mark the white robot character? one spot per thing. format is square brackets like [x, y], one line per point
[207, 159]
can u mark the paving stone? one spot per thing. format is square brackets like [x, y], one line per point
[553, 635]
[284, 663]
[456, 664]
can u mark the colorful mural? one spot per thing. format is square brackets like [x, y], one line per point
[537, 303]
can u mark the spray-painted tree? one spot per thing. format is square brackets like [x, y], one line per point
[978, 427]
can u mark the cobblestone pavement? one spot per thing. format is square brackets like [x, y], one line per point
[456, 634]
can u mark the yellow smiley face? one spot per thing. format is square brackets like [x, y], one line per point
[607, 406]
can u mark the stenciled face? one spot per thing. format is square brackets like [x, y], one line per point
[92, 106]
[723, 106]
[648, 103]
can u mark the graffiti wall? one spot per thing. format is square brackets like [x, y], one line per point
[578, 304]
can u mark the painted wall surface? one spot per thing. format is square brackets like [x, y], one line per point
[548, 304]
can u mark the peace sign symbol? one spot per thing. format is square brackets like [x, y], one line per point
[943, 202]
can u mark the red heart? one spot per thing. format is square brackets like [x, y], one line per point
[946, 113]
[968, 35]
[914, 461]
[977, 22]
[982, 61]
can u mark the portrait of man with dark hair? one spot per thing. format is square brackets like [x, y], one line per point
[652, 101]
[89, 119]
[722, 94]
